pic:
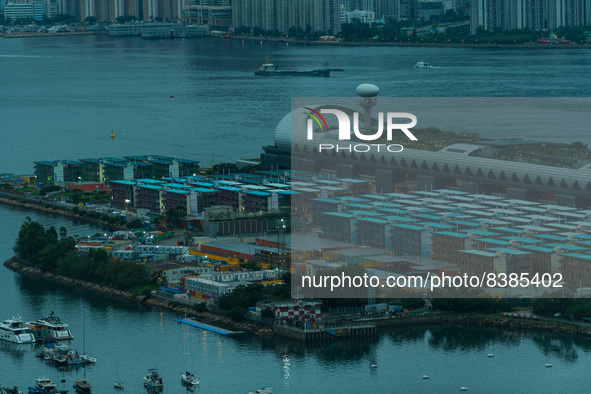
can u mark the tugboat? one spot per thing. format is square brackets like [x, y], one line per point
[82, 386]
[270, 69]
[153, 379]
[188, 379]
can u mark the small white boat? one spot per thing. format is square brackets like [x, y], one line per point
[189, 379]
[464, 388]
[153, 379]
[88, 358]
[373, 366]
[119, 386]
[14, 330]
[548, 365]
[423, 65]
[490, 355]
[425, 376]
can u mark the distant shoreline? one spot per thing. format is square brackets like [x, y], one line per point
[288, 41]
[61, 34]
[532, 45]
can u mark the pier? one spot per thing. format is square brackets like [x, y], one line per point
[313, 335]
[192, 322]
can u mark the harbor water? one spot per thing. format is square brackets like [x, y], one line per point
[199, 98]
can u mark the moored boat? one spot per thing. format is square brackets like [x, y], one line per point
[82, 386]
[14, 330]
[9, 390]
[189, 379]
[55, 327]
[119, 385]
[153, 379]
[44, 385]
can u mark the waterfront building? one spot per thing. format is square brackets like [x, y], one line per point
[576, 269]
[411, 239]
[282, 15]
[148, 197]
[175, 199]
[352, 255]
[364, 16]
[87, 187]
[448, 244]
[214, 13]
[257, 201]
[544, 260]
[52, 172]
[215, 285]
[171, 272]
[202, 198]
[123, 194]
[302, 310]
[475, 262]
[163, 30]
[91, 170]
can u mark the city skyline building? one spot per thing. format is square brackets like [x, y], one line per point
[528, 14]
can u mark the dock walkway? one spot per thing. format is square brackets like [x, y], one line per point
[192, 322]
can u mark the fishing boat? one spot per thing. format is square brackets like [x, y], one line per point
[153, 379]
[119, 385]
[14, 330]
[188, 379]
[82, 386]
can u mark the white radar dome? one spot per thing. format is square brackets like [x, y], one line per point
[367, 90]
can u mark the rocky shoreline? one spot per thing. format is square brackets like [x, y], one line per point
[17, 265]
[516, 324]
[463, 319]
[53, 208]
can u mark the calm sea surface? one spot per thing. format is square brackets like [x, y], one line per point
[60, 98]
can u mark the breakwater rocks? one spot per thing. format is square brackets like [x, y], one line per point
[17, 265]
[516, 324]
[20, 201]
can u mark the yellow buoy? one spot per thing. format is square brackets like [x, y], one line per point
[112, 134]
